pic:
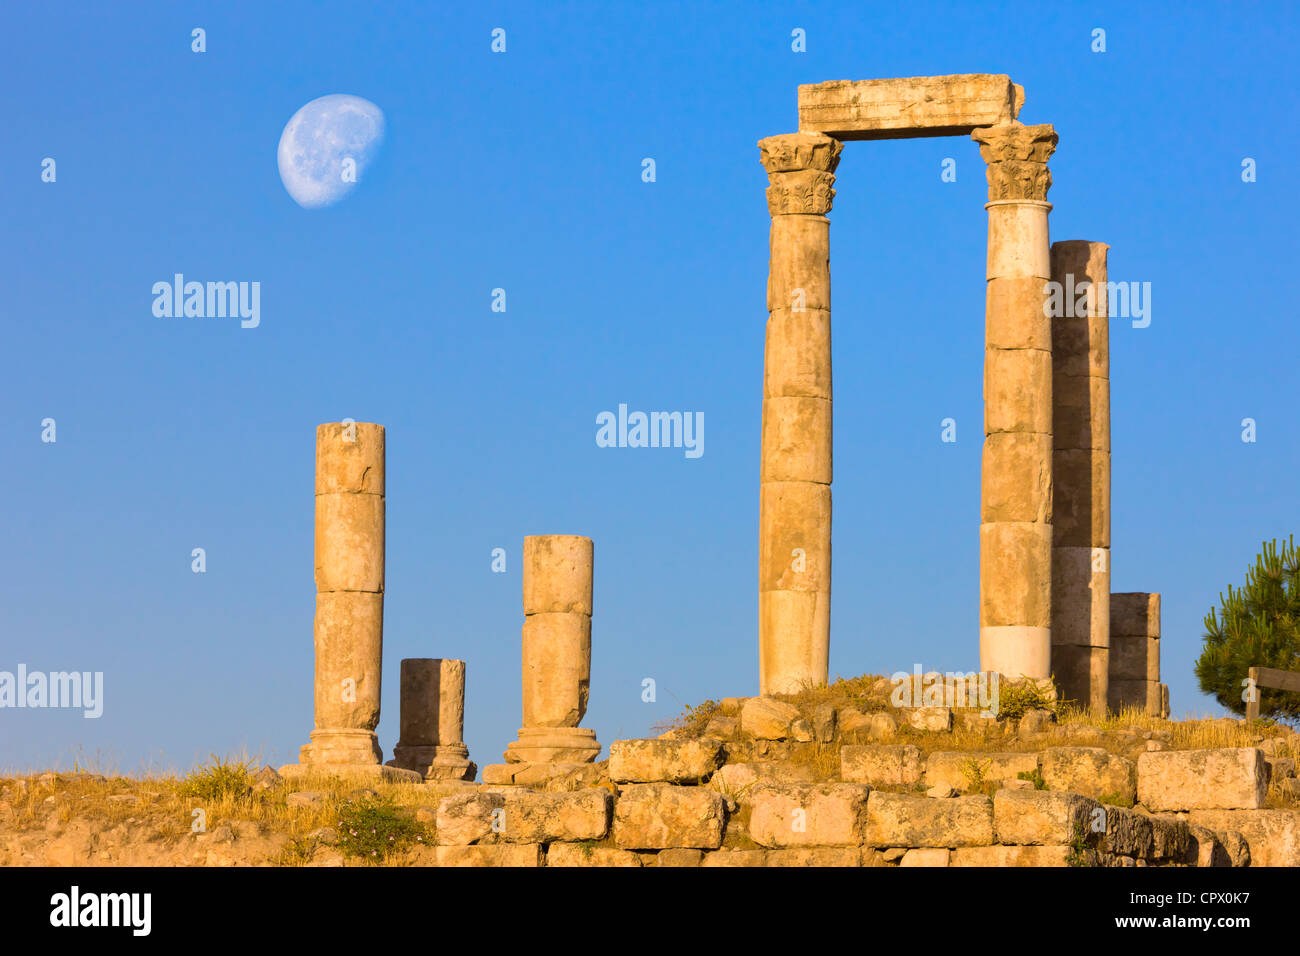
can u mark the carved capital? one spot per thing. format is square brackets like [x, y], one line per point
[800, 169]
[1017, 159]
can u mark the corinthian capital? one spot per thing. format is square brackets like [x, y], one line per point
[800, 169]
[1017, 159]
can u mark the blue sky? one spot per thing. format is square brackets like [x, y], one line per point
[522, 171]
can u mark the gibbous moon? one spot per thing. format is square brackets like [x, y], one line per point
[326, 147]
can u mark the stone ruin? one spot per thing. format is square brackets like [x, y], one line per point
[1045, 610]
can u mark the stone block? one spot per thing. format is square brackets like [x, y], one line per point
[1225, 779]
[881, 765]
[655, 816]
[807, 815]
[903, 820]
[664, 761]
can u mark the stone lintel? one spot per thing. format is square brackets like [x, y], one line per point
[907, 107]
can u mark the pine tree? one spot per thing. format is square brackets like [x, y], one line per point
[1256, 625]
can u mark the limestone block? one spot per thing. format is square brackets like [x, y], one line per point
[466, 818]
[1017, 391]
[1207, 849]
[1015, 314]
[1081, 672]
[1015, 576]
[556, 664]
[350, 458]
[419, 687]
[908, 106]
[748, 858]
[795, 650]
[965, 771]
[1016, 478]
[795, 538]
[1123, 692]
[814, 856]
[1171, 838]
[934, 720]
[767, 718]
[827, 814]
[580, 855]
[1273, 835]
[1135, 658]
[925, 856]
[1004, 856]
[1081, 499]
[881, 765]
[1016, 651]
[796, 442]
[551, 817]
[654, 816]
[557, 574]
[1081, 342]
[1090, 771]
[1128, 833]
[1226, 779]
[903, 820]
[1080, 412]
[678, 857]
[737, 780]
[349, 542]
[1135, 614]
[1080, 595]
[552, 750]
[799, 267]
[1017, 243]
[1042, 817]
[496, 854]
[349, 645]
[669, 761]
[797, 358]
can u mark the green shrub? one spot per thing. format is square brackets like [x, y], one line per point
[218, 779]
[373, 830]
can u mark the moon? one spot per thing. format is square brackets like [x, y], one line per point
[327, 146]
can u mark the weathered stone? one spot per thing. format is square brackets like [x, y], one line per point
[721, 727]
[767, 718]
[824, 722]
[926, 856]
[679, 857]
[1128, 833]
[495, 854]
[815, 856]
[807, 815]
[914, 821]
[882, 726]
[1170, 838]
[1135, 614]
[881, 765]
[1090, 771]
[671, 761]
[735, 858]
[1042, 817]
[304, 798]
[1227, 779]
[550, 817]
[931, 719]
[660, 816]
[581, 855]
[737, 779]
[908, 106]
[1273, 835]
[1006, 856]
[468, 817]
[1206, 849]
[967, 771]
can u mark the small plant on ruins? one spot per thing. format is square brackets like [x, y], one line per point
[692, 721]
[218, 780]
[1034, 776]
[1014, 700]
[1256, 625]
[587, 848]
[1115, 800]
[374, 829]
[1080, 852]
[973, 770]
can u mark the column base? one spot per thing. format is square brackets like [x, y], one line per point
[412, 756]
[345, 746]
[548, 776]
[450, 762]
[553, 745]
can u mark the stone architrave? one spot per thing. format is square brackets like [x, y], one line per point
[433, 720]
[1016, 479]
[904, 107]
[795, 471]
[556, 656]
[1081, 472]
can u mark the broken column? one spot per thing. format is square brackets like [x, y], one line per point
[795, 472]
[433, 720]
[556, 658]
[1016, 479]
[1081, 470]
[1135, 654]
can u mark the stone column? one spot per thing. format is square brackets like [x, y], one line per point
[1081, 469]
[433, 720]
[1016, 479]
[557, 573]
[1135, 654]
[349, 624]
[794, 600]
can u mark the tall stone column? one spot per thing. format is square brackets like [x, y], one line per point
[1016, 479]
[433, 720]
[794, 601]
[349, 624]
[557, 573]
[1081, 466]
